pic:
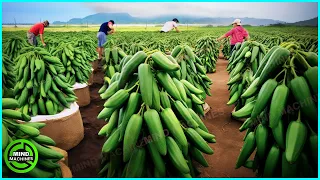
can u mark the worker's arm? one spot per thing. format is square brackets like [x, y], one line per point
[177, 29]
[247, 38]
[41, 31]
[226, 35]
[112, 29]
[221, 37]
[175, 26]
[41, 38]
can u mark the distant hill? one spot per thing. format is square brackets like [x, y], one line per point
[310, 22]
[103, 17]
[125, 18]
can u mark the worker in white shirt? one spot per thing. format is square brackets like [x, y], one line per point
[168, 26]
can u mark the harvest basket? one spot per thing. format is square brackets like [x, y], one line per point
[65, 128]
[83, 94]
[65, 170]
[90, 80]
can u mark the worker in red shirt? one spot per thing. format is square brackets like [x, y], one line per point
[35, 30]
[237, 33]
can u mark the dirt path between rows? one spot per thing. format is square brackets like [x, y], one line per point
[84, 159]
[218, 121]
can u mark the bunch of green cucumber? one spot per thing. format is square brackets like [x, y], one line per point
[160, 44]
[307, 43]
[282, 117]
[173, 42]
[125, 46]
[111, 42]
[88, 46]
[113, 57]
[74, 60]
[136, 47]
[226, 50]
[8, 76]
[273, 41]
[41, 88]
[243, 64]
[207, 49]
[192, 70]
[13, 45]
[47, 165]
[152, 127]
[52, 42]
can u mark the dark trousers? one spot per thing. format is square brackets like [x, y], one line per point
[232, 47]
[32, 39]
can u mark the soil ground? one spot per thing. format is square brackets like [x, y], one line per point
[84, 159]
[219, 122]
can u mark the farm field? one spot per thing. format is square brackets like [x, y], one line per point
[95, 27]
[143, 107]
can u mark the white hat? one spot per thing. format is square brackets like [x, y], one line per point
[237, 21]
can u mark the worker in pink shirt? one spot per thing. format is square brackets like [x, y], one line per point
[237, 33]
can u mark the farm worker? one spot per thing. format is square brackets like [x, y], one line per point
[105, 29]
[237, 33]
[168, 26]
[35, 30]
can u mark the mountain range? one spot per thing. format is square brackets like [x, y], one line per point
[310, 22]
[125, 18]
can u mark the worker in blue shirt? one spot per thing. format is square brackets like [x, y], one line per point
[105, 29]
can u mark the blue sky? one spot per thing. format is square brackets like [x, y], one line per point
[32, 12]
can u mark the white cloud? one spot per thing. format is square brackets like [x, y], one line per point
[279, 11]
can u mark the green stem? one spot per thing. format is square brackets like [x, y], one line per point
[146, 61]
[285, 76]
[281, 82]
[299, 116]
[303, 53]
[303, 60]
[161, 108]
[171, 98]
[136, 84]
[138, 88]
[141, 108]
[151, 52]
[279, 74]
[183, 127]
[292, 67]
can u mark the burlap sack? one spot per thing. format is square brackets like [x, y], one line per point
[65, 170]
[63, 152]
[65, 128]
[83, 94]
[90, 80]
